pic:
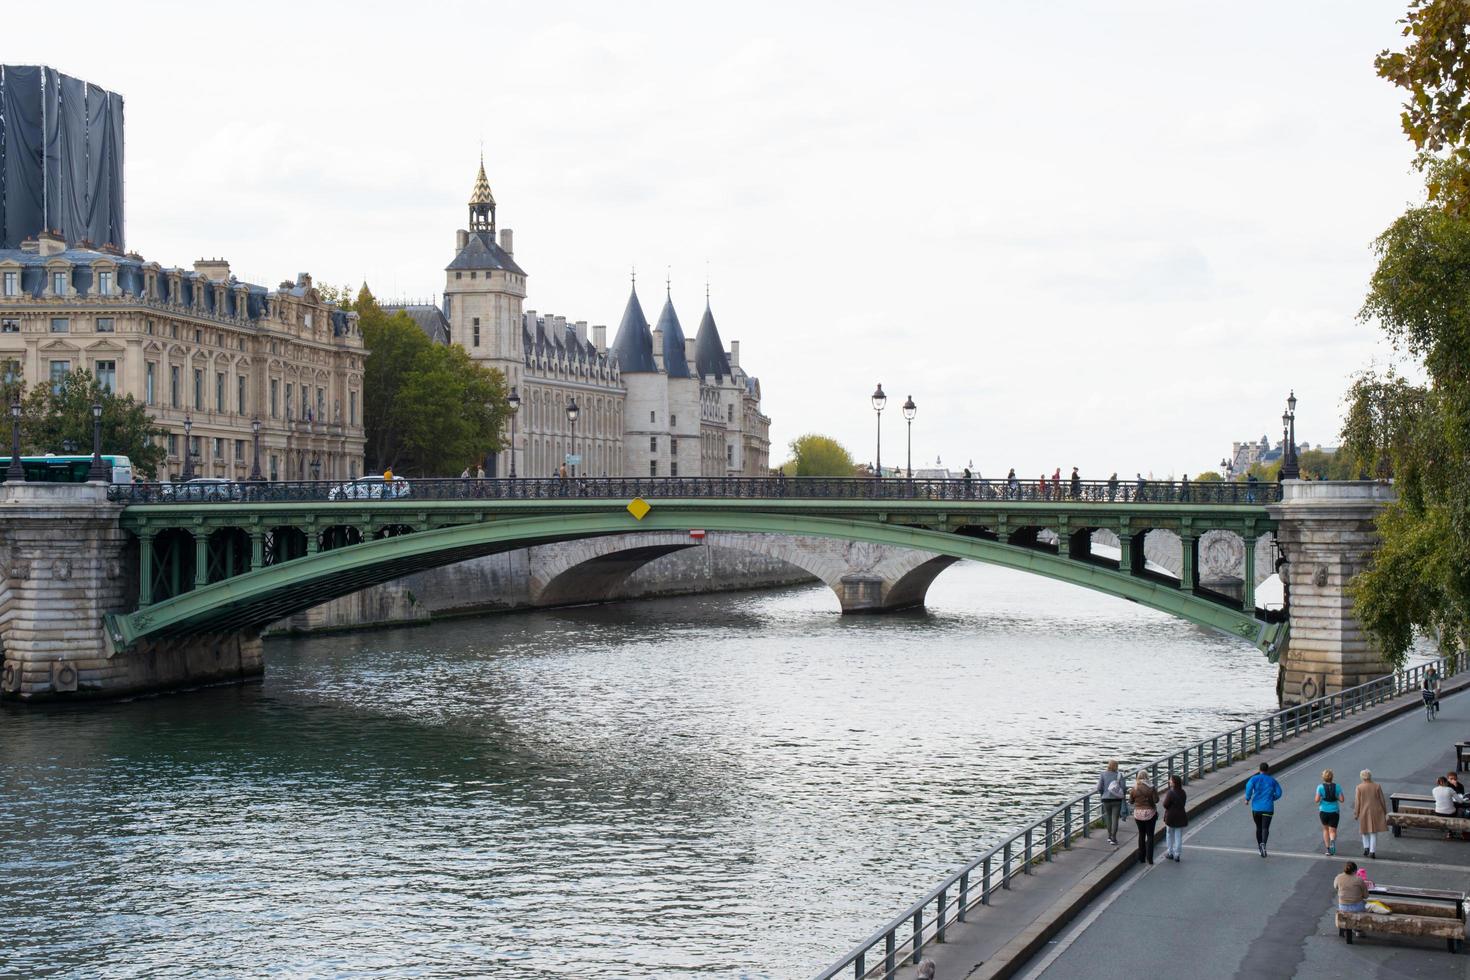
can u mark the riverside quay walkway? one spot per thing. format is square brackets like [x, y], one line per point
[1049, 902]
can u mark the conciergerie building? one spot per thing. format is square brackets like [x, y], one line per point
[653, 403]
[196, 345]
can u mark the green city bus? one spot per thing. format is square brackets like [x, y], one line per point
[67, 469]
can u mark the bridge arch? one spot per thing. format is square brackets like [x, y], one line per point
[250, 601]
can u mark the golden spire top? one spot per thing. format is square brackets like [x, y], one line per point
[481, 194]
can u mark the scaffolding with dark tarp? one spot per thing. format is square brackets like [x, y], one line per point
[61, 158]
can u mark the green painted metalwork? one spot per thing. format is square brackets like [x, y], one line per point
[399, 537]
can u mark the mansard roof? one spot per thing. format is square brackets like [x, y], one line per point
[482, 252]
[430, 319]
[633, 346]
[675, 364]
[709, 349]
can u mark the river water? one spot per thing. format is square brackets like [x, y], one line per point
[727, 786]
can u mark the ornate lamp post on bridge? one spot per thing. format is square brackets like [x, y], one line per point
[15, 473]
[514, 402]
[909, 411]
[1289, 468]
[572, 412]
[255, 474]
[98, 471]
[879, 400]
[188, 450]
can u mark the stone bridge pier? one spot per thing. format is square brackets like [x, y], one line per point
[1327, 536]
[64, 561]
[865, 577]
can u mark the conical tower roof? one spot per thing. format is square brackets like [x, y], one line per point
[709, 349]
[481, 194]
[633, 346]
[675, 364]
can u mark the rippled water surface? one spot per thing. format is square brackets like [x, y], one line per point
[731, 786]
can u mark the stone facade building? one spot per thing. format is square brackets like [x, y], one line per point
[652, 403]
[195, 344]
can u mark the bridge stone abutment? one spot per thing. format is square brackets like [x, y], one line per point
[865, 577]
[1327, 535]
[64, 562]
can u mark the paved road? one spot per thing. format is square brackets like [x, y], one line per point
[1225, 912]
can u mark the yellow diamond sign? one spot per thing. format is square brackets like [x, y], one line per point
[639, 508]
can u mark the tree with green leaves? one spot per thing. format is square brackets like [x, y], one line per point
[51, 419]
[818, 455]
[1418, 582]
[428, 409]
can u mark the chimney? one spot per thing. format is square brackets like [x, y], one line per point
[461, 239]
[560, 326]
[599, 338]
[658, 348]
[689, 354]
[51, 243]
[582, 332]
[734, 353]
[507, 241]
[218, 270]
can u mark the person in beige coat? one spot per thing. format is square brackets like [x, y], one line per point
[1371, 810]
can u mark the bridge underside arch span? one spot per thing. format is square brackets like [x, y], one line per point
[250, 601]
[865, 577]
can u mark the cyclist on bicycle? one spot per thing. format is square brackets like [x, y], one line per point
[1431, 690]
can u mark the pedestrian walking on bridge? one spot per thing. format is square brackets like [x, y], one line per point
[1371, 811]
[1175, 819]
[1111, 790]
[1329, 803]
[1145, 800]
[1261, 793]
[1076, 484]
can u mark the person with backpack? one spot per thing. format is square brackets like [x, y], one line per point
[1175, 819]
[1329, 805]
[1261, 793]
[1111, 791]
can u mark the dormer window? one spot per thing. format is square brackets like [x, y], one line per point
[10, 284]
[104, 284]
[58, 283]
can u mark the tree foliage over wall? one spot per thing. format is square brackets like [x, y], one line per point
[53, 420]
[1419, 435]
[428, 409]
[818, 455]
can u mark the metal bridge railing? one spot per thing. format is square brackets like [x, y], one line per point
[724, 488]
[901, 939]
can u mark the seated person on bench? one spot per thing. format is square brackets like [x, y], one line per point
[1352, 891]
[1447, 802]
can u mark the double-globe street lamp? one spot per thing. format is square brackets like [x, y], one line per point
[514, 403]
[188, 453]
[879, 401]
[909, 411]
[255, 474]
[572, 412]
[1289, 468]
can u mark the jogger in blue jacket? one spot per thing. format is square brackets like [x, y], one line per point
[1261, 793]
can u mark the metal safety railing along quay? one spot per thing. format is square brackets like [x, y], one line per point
[675, 487]
[901, 940]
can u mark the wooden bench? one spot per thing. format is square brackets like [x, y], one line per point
[1411, 802]
[1426, 820]
[1445, 927]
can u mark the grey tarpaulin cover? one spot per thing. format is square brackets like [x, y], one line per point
[61, 157]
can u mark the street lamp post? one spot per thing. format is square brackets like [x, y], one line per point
[879, 400]
[98, 471]
[1289, 468]
[572, 413]
[909, 411]
[255, 474]
[316, 466]
[188, 450]
[15, 473]
[514, 401]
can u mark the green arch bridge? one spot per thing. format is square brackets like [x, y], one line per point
[222, 558]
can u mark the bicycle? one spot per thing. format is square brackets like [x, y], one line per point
[1431, 705]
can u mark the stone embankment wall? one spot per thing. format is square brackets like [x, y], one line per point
[502, 583]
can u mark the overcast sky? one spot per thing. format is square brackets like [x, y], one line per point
[1110, 235]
